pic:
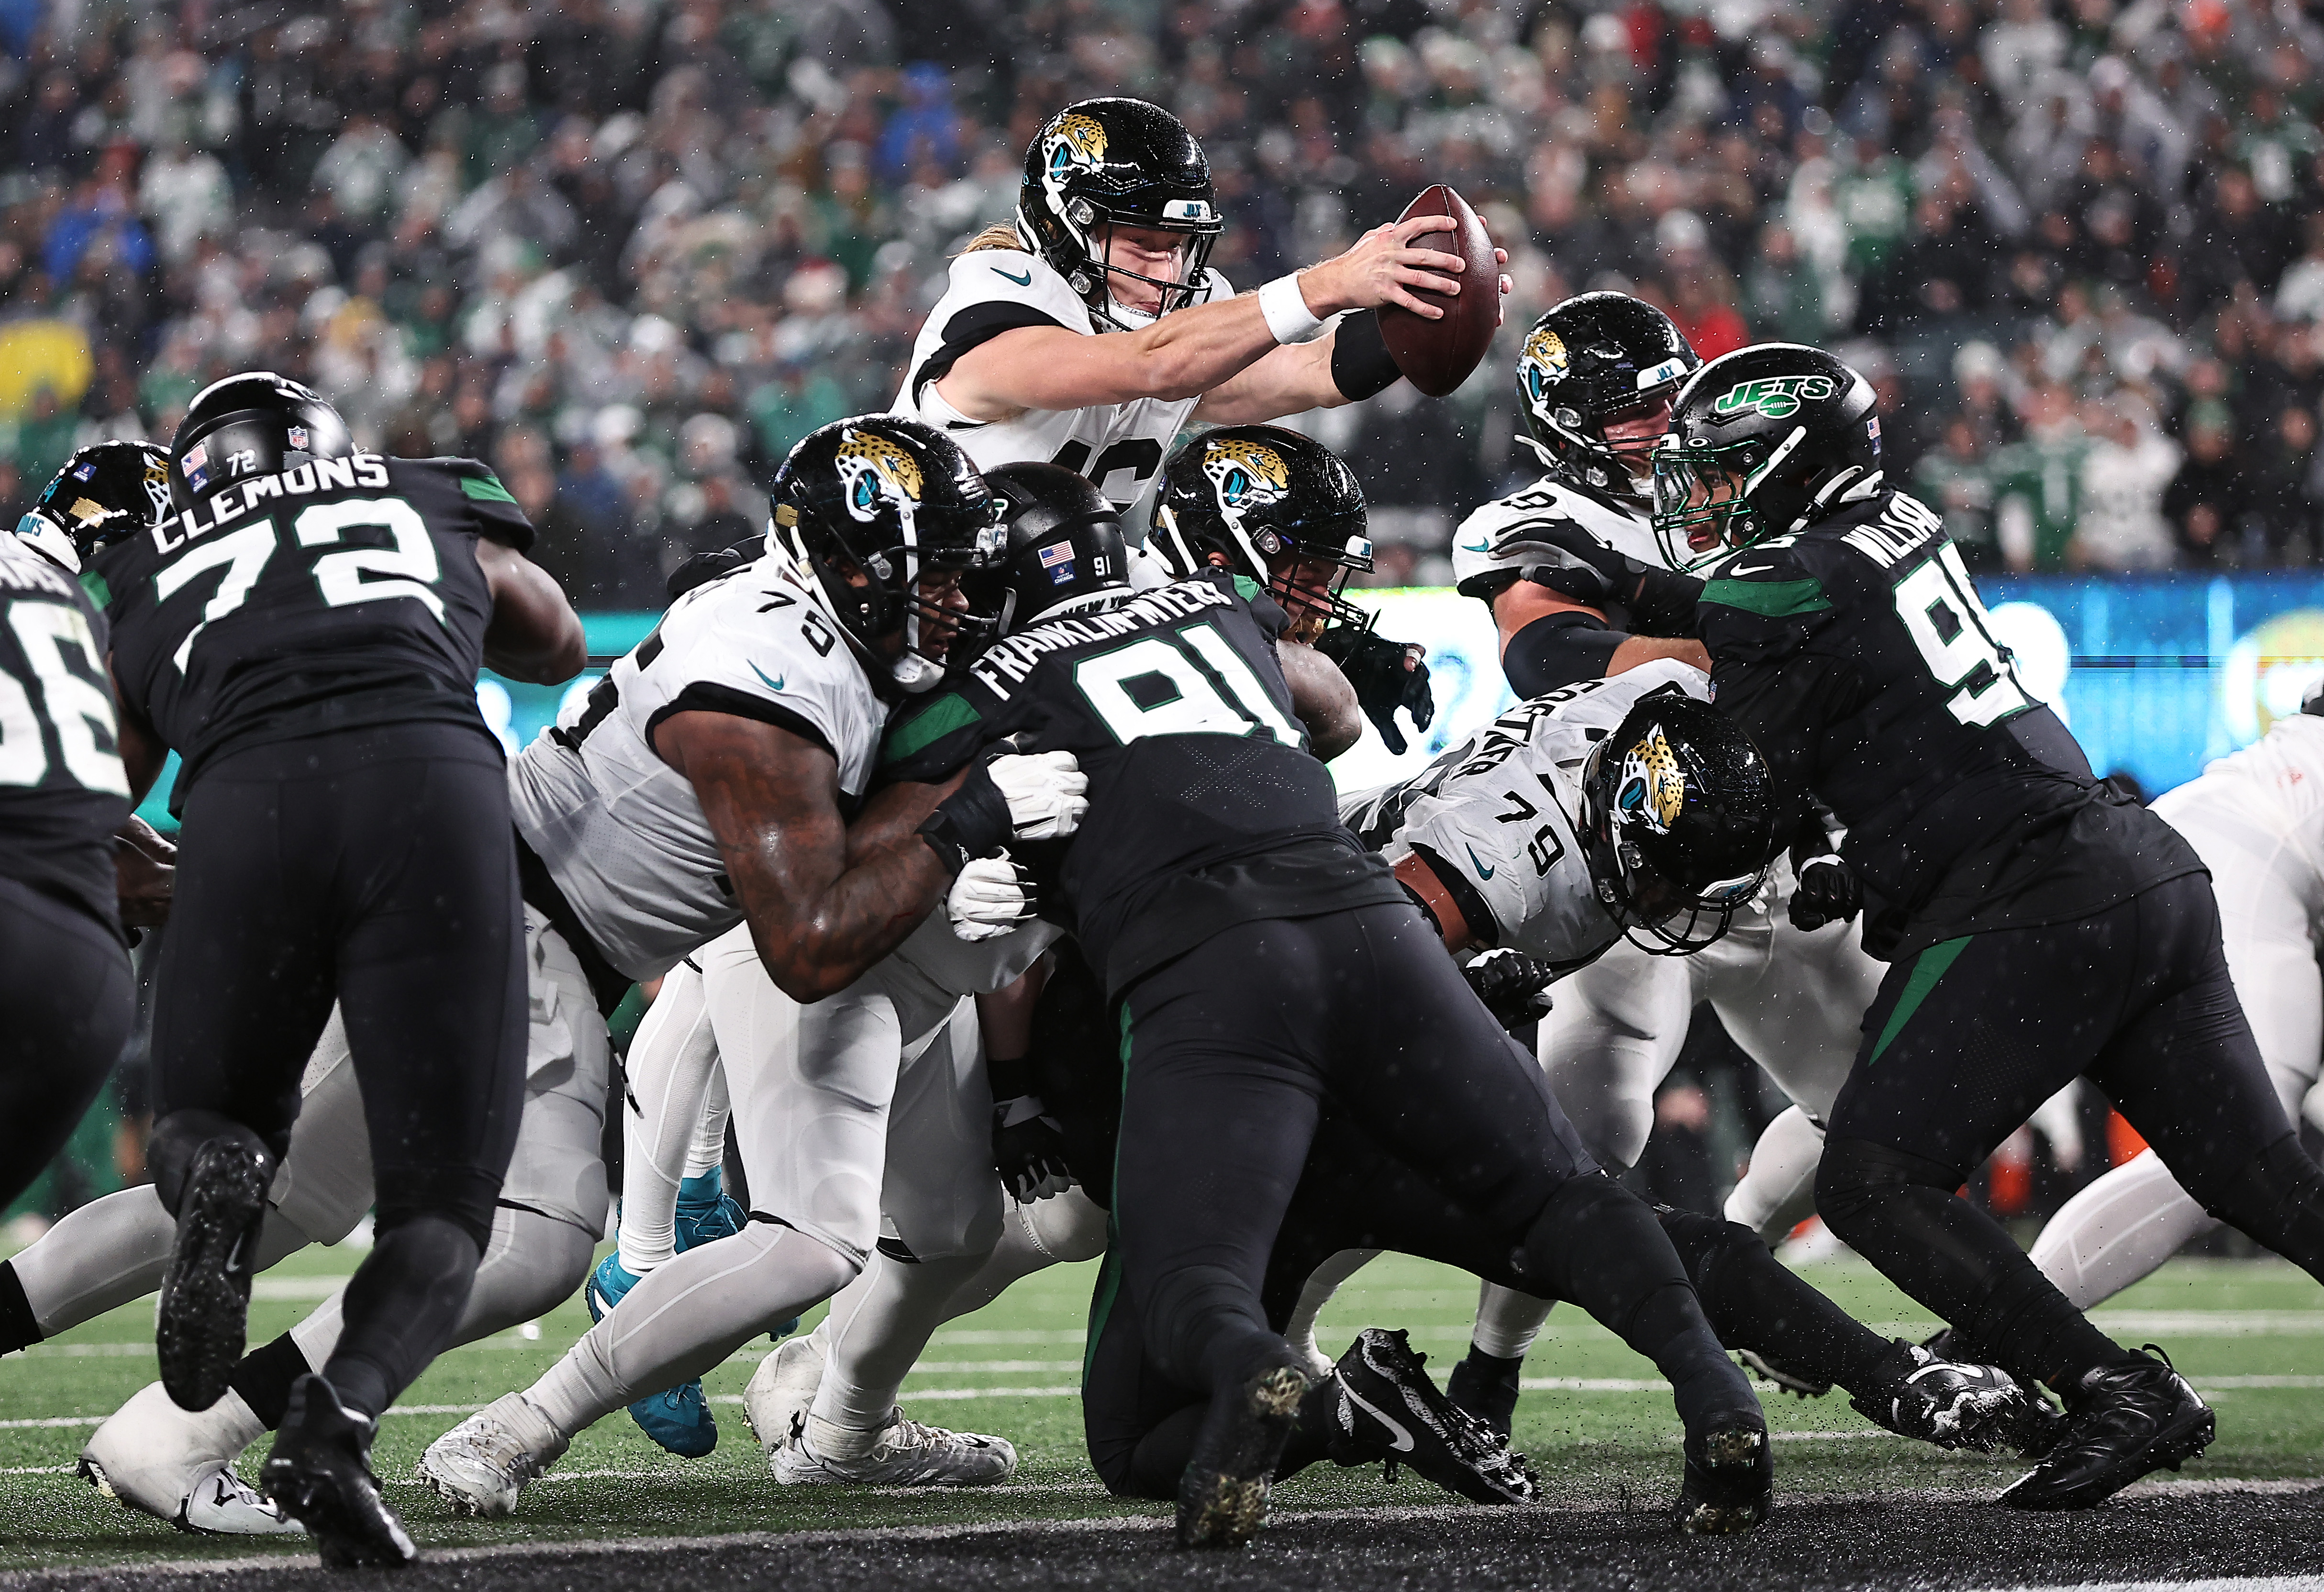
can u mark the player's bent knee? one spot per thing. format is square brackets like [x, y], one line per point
[179, 1137]
[1706, 1243]
[2269, 1189]
[1855, 1173]
[468, 1197]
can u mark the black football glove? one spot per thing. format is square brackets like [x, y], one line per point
[1828, 892]
[1029, 1146]
[1514, 987]
[1386, 675]
[1660, 602]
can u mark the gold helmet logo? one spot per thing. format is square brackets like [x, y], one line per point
[1542, 361]
[1245, 474]
[1652, 789]
[874, 470]
[1073, 143]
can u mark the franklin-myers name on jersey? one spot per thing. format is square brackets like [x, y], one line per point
[1008, 662]
[224, 507]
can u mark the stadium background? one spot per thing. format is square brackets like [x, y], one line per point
[628, 250]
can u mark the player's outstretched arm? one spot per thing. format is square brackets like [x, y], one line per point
[1189, 352]
[820, 910]
[534, 634]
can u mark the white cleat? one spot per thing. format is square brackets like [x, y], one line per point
[907, 1454]
[176, 1464]
[480, 1465]
[781, 1391]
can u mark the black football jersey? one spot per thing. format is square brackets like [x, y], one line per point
[1206, 809]
[1859, 656]
[336, 595]
[62, 791]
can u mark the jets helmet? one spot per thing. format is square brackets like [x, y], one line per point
[106, 491]
[887, 513]
[1677, 824]
[1103, 163]
[1762, 442]
[254, 424]
[1270, 502]
[1064, 546]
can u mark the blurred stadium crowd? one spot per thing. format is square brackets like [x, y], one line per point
[630, 250]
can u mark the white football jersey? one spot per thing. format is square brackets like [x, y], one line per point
[1521, 530]
[2279, 777]
[1118, 446]
[621, 831]
[978, 967]
[1499, 815]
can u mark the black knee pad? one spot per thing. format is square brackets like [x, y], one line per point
[1706, 1243]
[1854, 1172]
[463, 1196]
[179, 1137]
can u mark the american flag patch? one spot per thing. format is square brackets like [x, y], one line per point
[197, 456]
[1872, 427]
[1057, 558]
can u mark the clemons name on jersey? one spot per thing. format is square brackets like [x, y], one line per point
[339, 594]
[1118, 446]
[619, 830]
[1496, 816]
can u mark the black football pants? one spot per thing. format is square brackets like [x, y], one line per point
[378, 869]
[1968, 1038]
[1230, 1053]
[67, 1002]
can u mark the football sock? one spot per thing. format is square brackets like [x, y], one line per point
[401, 1308]
[877, 1326]
[1755, 1301]
[1899, 1211]
[1508, 1321]
[2117, 1231]
[265, 1376]
[18, 1329]
[1316, 1293]
[1486, 1386]
[686, 1317]
[1778, 1187]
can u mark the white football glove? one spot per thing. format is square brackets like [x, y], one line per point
[989, 897]
[1046, 793]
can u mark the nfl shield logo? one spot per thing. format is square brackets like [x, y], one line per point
[86, 472]
[299, 437]
[1058, 560]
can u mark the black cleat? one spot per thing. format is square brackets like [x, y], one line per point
[205, 1308]
[319, 1474]
[2123, 1423]
[1954, 1404]
[1486, 1386]
[1731, 1481]
[1790, 1378]
[1223, 1492]
[1384, 1407]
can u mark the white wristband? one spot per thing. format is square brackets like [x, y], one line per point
[1287, 312]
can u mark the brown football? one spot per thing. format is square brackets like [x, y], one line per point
[1437, 355]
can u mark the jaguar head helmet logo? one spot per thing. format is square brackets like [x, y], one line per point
[875, 471]
[1073, 143]
[1653, 788]
[1542, 361]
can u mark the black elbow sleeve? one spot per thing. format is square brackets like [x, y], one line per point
[1361, 364]
[1559, 649]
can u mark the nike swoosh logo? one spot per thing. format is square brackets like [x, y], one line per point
[1403, 1444]
[1756, 570]
[1484, 545]
[774, 683]
[1478, 863]
[1023, 281]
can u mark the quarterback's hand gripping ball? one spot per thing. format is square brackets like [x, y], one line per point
[989, 896]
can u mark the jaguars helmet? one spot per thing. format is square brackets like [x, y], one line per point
[1590, 361]
[1064, 546]
[106, 491]
[1099, 164]
[888, 515]
[254, 424]
[1678, 822]
[1762, 442]
[1270, 504]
